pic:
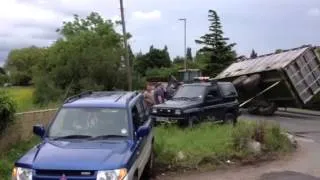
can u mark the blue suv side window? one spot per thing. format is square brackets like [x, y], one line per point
[135, 117]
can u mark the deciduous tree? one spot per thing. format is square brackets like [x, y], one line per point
[87, 57]
[20, 63]
[155, 58]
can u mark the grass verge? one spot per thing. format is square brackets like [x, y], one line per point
[8, 158]
[213, 145]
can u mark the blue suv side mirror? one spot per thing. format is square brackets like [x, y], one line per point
[143, 131]
[39, 130]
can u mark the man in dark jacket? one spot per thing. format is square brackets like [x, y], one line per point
[158, 94]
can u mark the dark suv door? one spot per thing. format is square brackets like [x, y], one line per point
[212, 103]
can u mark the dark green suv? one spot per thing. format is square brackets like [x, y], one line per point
[194, 102]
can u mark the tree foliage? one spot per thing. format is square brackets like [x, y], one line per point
[87, 57]
[3, 79]
[160, 74]
[7, 110]
[2, 71]
[178, 63]
[20, 63]
[178, 60]
[155, 58]
[215, 44]
[253, 54]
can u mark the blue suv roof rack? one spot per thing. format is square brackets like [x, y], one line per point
[78, 96]
[134, 94]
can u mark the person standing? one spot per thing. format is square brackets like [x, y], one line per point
[148, 96]
[158, 94]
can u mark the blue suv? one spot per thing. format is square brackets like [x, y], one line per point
[93, 136]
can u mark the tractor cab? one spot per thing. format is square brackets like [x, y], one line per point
[188, 75]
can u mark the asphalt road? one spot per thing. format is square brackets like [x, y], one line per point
[302, 125]
[304, 165]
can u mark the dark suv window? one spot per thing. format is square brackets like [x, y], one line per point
[228, 89]
[190, 91]
[213, 93]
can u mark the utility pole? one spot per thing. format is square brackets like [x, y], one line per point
[129, 77]
[185, 42]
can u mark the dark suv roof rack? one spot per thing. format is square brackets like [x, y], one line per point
[78, 96]
[204, 79]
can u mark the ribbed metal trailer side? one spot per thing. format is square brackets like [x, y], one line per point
[304, 74]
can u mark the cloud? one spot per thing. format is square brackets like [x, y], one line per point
[152, 15]
[33, 22]
[314, 12]
[174, 28]
[115, 18]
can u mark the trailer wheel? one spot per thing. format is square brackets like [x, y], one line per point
[253, 110]
[269, 110]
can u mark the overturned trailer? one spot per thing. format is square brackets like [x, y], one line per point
[290, 78]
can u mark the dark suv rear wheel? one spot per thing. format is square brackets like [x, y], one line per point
[230, 118]
[189, 121]
[192, 121]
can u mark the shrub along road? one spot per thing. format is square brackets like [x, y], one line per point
[304, 165]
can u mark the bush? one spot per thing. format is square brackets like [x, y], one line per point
[268, 134]
[138, 82]
[7, 110]
[45, 92]
[3, 79]
[9, 157]
[241, 135]
[20, 78]
[275, 140]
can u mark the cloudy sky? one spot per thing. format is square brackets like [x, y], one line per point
[264, 25]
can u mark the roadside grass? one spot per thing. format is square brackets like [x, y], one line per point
[205, 146]
[8, 158]
[23, 96]
[214, 144]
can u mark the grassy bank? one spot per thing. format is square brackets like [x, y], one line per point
[214, 145]
[204, 146]
[23, 96]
